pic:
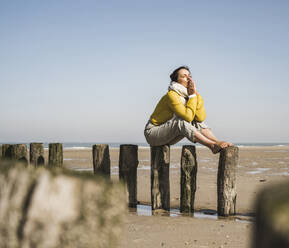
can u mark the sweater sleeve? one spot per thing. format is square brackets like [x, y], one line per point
[186, 112]
[200, 110]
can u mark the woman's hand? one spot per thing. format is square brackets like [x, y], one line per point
[191, 87]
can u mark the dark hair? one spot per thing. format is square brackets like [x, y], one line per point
[175, 74]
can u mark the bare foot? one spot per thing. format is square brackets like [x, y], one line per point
[222, 144]
[228, 143]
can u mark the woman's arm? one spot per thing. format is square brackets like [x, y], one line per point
[200, 114]
[186, 112]
[200, 110]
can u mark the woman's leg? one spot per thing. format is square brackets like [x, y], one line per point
[207, 132]
[214, 146]
[164, 134]
[174, 130]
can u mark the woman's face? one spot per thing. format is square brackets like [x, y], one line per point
[183, 77]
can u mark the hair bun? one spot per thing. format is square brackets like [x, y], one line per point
[174, 75]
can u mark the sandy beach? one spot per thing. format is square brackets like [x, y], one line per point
[258, 167]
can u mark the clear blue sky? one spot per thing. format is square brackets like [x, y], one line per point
[93, 71]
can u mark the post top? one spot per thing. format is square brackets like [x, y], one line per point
[128, 145]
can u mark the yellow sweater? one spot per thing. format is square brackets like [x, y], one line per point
[171, 103]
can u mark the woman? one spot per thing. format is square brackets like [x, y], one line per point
[180, 113]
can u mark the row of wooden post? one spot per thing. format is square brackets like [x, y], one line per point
[19, 152]
[160, 182]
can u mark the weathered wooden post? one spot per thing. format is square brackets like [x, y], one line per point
[6, 151]
[55, 154]
[271, 228]
[19, 153]
[226, 181]
[53, 209]
[101, 159]
[160, 180]
[128, 162]
[36, 154]
[189, 169]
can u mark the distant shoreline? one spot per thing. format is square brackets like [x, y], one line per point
[88, 145]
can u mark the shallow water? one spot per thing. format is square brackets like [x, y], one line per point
[276, 151]
[75, 159]
[258, 170]
[115, 169]
[146, 210]
[112, 172]
[82, 169]
[286, 173]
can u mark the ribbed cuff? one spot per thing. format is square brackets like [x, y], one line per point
[193, 95]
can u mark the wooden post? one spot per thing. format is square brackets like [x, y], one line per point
[101, 159]
[271, 228]
[128, 162]
[160, 180]
[227, 193]
[19, 153]
[55, 154]
[6, 151]
[37, 154]
[189, 169]
[1, 152]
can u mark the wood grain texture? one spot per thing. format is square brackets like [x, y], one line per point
[272, 217]
[160, 180]
[36, 154]
[101, 159]
[226, 182]
[55, 154]
[188, 182]
[128, 163]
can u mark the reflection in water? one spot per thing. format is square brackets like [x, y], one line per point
[145, 210]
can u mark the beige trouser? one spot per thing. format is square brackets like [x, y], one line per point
[172, 131]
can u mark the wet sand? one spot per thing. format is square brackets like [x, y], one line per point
[258, 167]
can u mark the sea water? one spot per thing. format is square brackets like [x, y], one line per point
[86, 145]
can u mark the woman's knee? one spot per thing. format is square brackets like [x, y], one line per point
[185, 126]
[187, 129]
